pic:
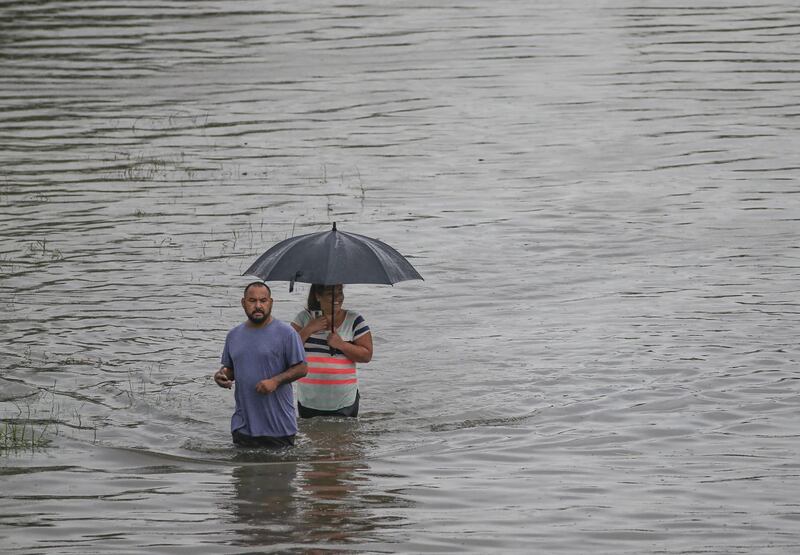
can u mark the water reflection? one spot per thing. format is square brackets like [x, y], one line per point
[331, 485]
[332, 504]
[264, 506]
[323, 496]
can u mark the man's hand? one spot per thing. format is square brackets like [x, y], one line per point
[267, 386]
[222, 379]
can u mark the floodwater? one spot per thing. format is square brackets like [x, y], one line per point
[601, 196]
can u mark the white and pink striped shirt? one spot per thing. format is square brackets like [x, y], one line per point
[332, 381]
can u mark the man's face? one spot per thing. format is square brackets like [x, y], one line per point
[257, 304]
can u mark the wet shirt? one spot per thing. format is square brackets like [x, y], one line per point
[331, 382]
[254, 354]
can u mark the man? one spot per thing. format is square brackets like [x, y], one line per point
[264, 356]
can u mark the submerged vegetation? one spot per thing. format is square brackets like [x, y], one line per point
[35, 421]
[30, 428]
[23, 434]
[34, 425]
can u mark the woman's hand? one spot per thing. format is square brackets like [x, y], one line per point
[359, 350]
[336, 341]
[318, 324]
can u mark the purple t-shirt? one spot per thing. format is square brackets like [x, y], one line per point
[254, 354]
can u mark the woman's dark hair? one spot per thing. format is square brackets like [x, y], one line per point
[313, 303]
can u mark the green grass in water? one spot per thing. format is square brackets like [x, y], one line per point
[21, 436]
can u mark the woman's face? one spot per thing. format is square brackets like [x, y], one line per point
[324, 298]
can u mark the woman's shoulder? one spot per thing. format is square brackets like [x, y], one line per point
[352, 314]
[303, 316]
[356, 318]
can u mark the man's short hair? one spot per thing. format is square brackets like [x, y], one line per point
[257, 283]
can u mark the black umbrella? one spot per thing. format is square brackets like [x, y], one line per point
[330, 258]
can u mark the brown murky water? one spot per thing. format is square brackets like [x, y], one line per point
[602, 198]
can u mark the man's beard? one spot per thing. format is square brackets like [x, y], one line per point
[260, 319]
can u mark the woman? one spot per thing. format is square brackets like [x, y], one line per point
[331, 386]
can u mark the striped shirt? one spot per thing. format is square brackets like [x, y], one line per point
[332, 381]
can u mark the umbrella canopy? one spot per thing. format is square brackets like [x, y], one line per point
[330, 258]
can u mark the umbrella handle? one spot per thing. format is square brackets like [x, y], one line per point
[291, 282]
[333, 311]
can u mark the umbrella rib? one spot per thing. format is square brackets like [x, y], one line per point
[290, 251]
[380, 264]
[329, 258]
[285, 251]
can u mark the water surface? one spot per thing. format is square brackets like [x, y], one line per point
[601, 198]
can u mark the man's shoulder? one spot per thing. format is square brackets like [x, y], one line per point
[278, 328]
[282, 326]
[236, 329]
[284, 333]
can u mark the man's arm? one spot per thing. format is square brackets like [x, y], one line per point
[269, 385]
